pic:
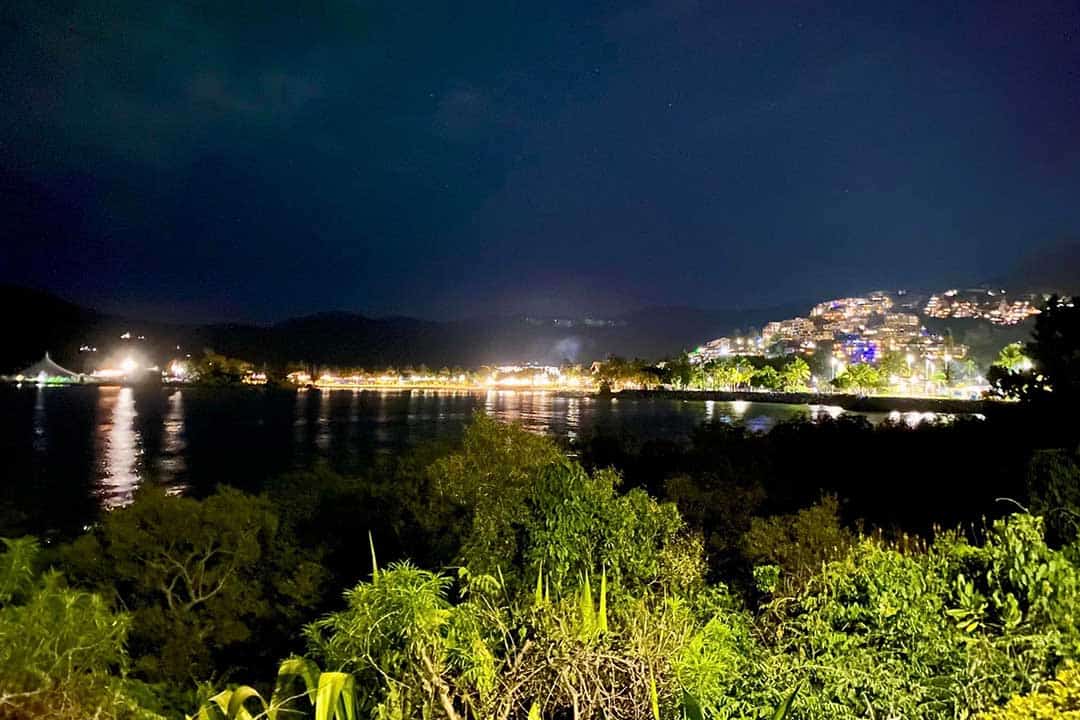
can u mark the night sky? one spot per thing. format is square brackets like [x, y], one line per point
[256, 160]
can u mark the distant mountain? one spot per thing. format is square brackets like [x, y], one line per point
[41, 321]
[1055, 268]
[352, 339]
[36, 321]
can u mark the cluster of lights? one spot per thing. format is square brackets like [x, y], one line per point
[504, 376]
[860, 329]
[42, 378]
[988, 305]
[727, 347]
[122, 371]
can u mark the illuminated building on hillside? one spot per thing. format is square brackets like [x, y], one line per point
[852, 308]
[726, 347]
[894, 332]
[793, 330]
[990, 305]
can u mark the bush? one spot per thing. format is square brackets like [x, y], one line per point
[798, 543]
[200, 579]
[61, 650]
[1053, 490]
[1058, 699]
[941, 633]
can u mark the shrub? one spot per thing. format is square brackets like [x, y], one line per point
[1057, 699]
[199, 577]
[61, 650]
[941, 633]
[798, 543]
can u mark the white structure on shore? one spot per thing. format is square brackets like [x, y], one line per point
[46, 371]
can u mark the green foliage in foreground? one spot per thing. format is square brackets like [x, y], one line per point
[300, 689]
[571, 599]
[1058, 699]
[61, 650]
[945, 630]
[798, 543]
[949, 631]
[198, 577]
[942, 633]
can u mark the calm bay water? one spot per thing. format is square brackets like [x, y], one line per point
[68, 453]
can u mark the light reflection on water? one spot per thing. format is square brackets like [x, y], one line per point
[172, 462]
[300, 416]
[322, 437]
[41, 436]
[820, 412]
[196, 438]
[914, 418]
[119, 446]
[573, 417]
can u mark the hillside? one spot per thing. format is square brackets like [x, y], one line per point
[42, 321]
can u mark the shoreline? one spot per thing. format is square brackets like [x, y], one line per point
[855, 403]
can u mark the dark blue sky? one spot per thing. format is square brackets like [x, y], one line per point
[253, 160]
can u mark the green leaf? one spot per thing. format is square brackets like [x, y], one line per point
[785, 707]
[236, 708]
[302, 668]
[602, 624]
[374, 564]
[222, 701]
[588, 612]
[654, 697]
[336, 698]
[691, 707]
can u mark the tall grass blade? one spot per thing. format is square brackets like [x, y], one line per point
[654, 697]
[222, 701]
[785, 707]
[588, 612]
[336, 698]
[602, 624]
[299, 667]
[374, 564]
[236, 708]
